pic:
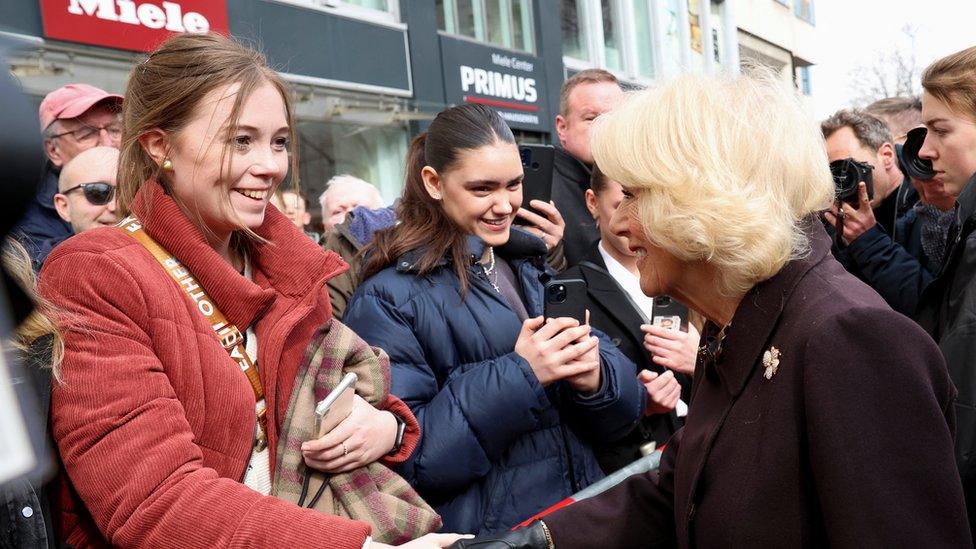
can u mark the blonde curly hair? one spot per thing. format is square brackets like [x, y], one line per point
[724, 169]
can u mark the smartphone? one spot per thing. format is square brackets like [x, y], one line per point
[537, 165]
[336, 406]
[565, 298]
[669, 314]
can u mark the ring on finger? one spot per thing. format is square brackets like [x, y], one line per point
[345, 451]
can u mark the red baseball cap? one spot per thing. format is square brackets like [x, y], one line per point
[71, 101]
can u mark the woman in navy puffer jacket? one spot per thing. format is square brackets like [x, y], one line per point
[509, 404]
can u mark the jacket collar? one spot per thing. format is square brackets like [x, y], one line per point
[760, 309]
[966, 202]
[571, 168]
[521, 245]
[289, 262]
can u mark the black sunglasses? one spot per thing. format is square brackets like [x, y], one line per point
[98, 194]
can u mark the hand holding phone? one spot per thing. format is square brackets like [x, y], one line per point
[336, 406]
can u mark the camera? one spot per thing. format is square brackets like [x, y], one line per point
[915, 167]
[847, 173]
[556, 293]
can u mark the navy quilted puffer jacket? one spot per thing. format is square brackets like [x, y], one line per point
[496, 446]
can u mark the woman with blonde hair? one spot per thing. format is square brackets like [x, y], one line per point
[947, 307]
[820, 417]
[186, 326]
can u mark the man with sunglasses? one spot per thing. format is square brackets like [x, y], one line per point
[74, 119]
[86, 189]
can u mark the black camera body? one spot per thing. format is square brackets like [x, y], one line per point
[847, 173]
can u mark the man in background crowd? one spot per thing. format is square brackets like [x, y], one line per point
[342, 194]
[86, 190]
[899, 113]
[295, 207]
[73, 118]
[584, 97]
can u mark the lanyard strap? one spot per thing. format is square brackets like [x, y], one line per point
[227, 333]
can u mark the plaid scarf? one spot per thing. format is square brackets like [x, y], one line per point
[372, 493]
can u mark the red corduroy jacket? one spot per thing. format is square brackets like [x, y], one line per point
[154, 421]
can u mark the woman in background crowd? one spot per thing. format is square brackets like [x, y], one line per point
[165, 438]
[510, 403]
[665, 358]
[947, 308]
[809, 385]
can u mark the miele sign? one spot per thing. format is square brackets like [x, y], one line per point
[130, 24]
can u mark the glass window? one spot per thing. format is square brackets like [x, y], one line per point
[373, 153]
[612, 39]
[716, 33]
[380, 5]
[695, 32]
[804, 10]
[574, 45]
[506, 23]
[642, 34]
[671, 41]
[805, 84]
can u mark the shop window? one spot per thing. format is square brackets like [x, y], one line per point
[643, 28]
[385, 12]
[612, 39]
[573, 19]
[671, 41]
[505, 23]
[804, 10]
[716, 25]
[373, 153]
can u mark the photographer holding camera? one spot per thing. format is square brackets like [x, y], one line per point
[880, 241]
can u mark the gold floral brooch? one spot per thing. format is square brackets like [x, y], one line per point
[770, 362]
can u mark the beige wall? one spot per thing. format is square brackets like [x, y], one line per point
[776, 23]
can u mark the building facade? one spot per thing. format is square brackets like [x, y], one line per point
[369, 74]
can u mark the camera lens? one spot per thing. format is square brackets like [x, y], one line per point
[557, 293]
[526, 155]
[916, 167]
[662, 301]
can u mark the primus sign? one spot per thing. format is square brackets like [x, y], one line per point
[508, 82]
[130, 24]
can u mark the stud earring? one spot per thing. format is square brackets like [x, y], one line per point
[167, 165]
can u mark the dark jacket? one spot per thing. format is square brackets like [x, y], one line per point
[570, 179]
[25, 511]
[897, 270]
[41, 228]
[889, 256]
[947, 310]
[613, 313]
[847, 444]
[496, 447]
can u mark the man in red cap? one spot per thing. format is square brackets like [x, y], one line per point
[74, 118]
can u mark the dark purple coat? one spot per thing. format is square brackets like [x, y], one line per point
[848, 444]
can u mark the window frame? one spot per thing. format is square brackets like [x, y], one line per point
[506, 23]
[590, 17]
[389, 18]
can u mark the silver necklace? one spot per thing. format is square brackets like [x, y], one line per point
[490, 273]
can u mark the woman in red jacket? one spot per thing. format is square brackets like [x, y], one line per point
[168, 439]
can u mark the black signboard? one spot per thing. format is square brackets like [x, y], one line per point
[510, 82]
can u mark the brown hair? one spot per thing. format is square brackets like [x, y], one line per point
[40, 323]
[422, 221]
[870, 130]
[598, 180]
[589, 76]
[165, 90]
[900, 113]
[952, 80]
